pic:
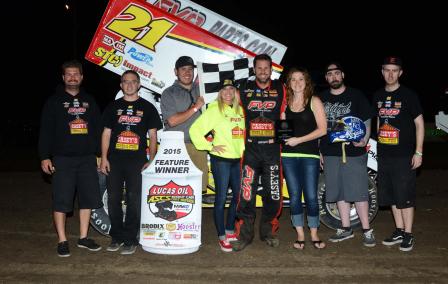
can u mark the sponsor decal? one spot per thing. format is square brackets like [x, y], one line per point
[248, 179]
[128, 140]
[261, 127]
[129, 120]
[157, 83]
[78, 126]
[76, 110]
[137, 69]
[108, 56]
[171, 201]
[117, 45]
[261, 105]
[66, 104]
[380, 104]
[275, 182]
[237, 133]
[140, 56]
[389, 112]
[388, 134]
[170, 227]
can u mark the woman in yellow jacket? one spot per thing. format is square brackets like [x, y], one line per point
[225, 118]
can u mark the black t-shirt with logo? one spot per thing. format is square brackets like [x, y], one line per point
[396, 113]
[130, 122]
[352, 102]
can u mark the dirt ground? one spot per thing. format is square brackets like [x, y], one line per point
[28, 247]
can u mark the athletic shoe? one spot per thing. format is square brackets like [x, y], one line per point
[114, 245]
[395, 238]
[272, 242]
[88, 244]
[128, 249]
[408, 242]
[341, 235]
[225, 245]
[63, 249]
[231, 237]
[239, 245]
[368, 238]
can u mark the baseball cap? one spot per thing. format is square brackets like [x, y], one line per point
[227, 82]
[394, 60]
[184, 61]
[337, 66]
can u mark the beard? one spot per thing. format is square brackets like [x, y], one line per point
[336, 84]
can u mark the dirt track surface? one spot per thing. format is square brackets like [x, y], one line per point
[28, 248]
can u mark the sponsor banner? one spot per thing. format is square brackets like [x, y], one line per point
[222, 27]
[139, 36]
[171, 200]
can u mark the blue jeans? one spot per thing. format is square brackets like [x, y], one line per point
[225, 173]
[302, 175]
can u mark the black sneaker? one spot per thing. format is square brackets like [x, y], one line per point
[396, 238]
[88, 244]
[408, 242]
[114, 245]
[128, 249]
[63, 249]
[272, 242]
[239, 245]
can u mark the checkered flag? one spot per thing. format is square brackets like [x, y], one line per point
[211, 74]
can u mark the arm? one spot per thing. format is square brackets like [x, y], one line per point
[321, 121]
[45, 139]
[181, 117]
[203, 125]
[152, 144]
[365, 139]
[105, 142]
[417, 159]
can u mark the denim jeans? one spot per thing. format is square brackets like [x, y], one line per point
[302, 175]
[225, 173]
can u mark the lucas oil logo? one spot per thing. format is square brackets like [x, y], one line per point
[171, 201]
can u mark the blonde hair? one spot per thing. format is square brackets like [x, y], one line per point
[235, 102]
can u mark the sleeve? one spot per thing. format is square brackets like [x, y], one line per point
[365, 108]
[167, 105]
[46, 132]
[202, 125]
[153, 119]
[96, 126]
[415, 108]
[107, 118]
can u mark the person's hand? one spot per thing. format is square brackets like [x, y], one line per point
[361, 143]
[105, 166]
[200, 102]
[321, 161]
[47, 166]
[145, 166]
[293, 141]
[219, 149]
[417, 161]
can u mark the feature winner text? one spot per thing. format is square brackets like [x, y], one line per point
[172, 166]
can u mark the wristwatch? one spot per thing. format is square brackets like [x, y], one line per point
[417, 153]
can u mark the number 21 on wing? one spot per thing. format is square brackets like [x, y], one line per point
[138, 24]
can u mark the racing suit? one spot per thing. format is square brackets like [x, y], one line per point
[262, 108]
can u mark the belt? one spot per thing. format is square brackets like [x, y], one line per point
[270, 141]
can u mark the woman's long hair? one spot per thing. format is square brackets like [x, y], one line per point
[235, 102]
[308, 92]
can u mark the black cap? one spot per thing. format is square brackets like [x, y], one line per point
[337, 66]
[227, 82]
[394, 60]
[184, 61]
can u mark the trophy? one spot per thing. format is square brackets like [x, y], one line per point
[284, 129]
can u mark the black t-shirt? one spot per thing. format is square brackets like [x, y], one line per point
[352, 102]
[396, 113]
[304, 123]
[130, 122]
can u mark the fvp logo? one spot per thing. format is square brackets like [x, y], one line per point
[260, 105]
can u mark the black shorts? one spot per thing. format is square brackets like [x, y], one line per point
[396, 182]
[75, 175]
